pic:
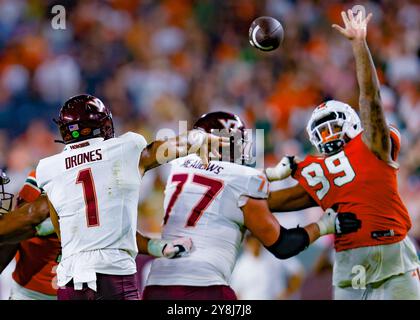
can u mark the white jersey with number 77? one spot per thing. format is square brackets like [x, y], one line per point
[94, 187]
[205, 204]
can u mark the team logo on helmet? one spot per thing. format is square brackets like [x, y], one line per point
[228, 124]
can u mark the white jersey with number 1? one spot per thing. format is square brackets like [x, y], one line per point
[94, 187]
[205, 204]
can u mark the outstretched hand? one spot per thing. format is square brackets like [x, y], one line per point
[355, 27]
[204, 144]
[282, 170]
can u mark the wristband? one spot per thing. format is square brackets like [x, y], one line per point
[155, 247]
[45, 228]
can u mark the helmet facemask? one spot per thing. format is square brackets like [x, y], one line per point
[247, 147]
[327, 133]
[332, 125]
[6, 199]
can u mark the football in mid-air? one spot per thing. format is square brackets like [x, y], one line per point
[266, 33]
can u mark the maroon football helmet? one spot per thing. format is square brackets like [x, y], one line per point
[222, 123]
[84, 117]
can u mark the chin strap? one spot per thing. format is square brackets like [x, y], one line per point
[332, 146]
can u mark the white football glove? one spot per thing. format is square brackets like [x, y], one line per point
[343, 223]
[169, 249]
[282, 170]
[326, 223]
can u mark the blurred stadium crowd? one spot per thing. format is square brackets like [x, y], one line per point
[157, 62]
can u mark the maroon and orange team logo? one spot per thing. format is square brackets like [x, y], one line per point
[86, 131]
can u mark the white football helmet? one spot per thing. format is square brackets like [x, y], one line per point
[330, 123]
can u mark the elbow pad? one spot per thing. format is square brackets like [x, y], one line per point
[290, 243]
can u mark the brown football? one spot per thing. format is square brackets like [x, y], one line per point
[266, 33]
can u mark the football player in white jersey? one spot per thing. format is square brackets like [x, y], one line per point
[214, 205]
[93, 189]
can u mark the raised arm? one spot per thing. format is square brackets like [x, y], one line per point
[196, 141]
[375, 129]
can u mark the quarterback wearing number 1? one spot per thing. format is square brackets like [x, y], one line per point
[93, 188]
[357, 172]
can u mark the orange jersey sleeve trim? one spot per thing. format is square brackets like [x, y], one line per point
[30, 190]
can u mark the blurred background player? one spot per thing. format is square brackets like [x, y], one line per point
[357, 171]
[213, 206]
[93, 187]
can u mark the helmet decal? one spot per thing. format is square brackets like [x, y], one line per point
[228, 124]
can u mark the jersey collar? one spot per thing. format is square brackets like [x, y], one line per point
[82, 144]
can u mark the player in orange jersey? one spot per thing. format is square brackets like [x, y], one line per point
[34, 277]
[357, 172]
[20, 223]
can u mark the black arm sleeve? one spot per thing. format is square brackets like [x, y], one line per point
[289, 243]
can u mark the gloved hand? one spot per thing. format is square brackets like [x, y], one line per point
[177, 248]
[169, 249]
[282, 170]
[343, 223]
